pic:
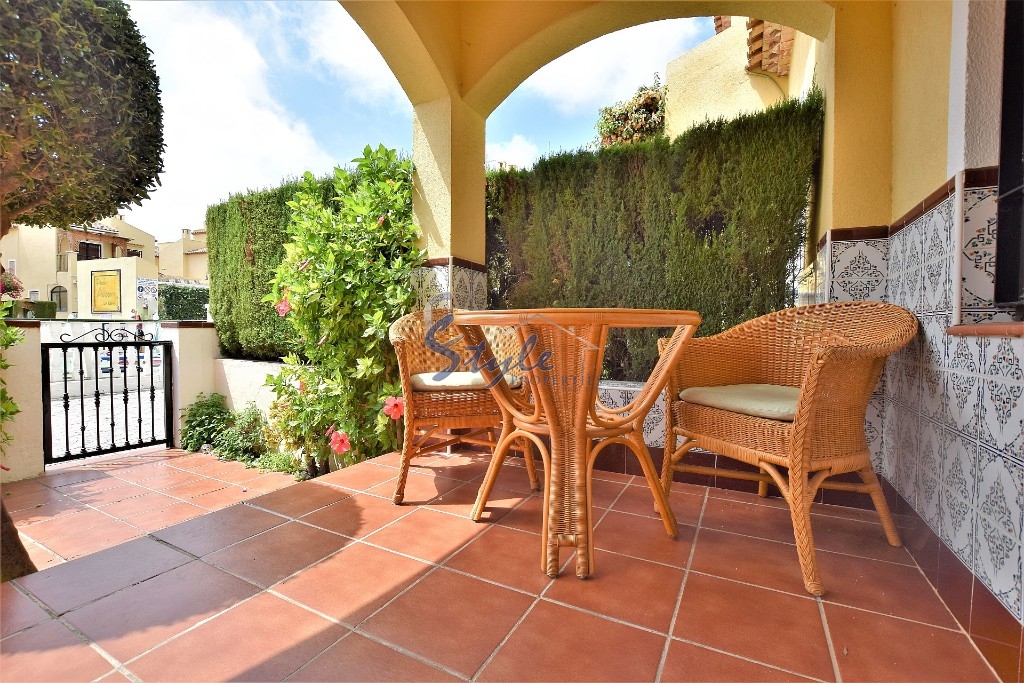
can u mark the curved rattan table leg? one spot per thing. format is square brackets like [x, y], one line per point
[531, 466]
[500, 452]
[661, 503]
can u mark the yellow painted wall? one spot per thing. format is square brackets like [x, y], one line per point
[34, 251]
[24, 455]
[711, 82]
[920, 105]
[131, 270]
[137, 237]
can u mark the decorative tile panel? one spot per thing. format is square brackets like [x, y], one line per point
[467, 288]
[998, 527]
[617, 394]
[859, 271]
[956, 495]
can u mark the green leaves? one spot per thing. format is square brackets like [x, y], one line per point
[82, 132]
[347, 273]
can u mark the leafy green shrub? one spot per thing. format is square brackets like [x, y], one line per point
[179, 302]
[204, 420]
[345, 277]
[642, 117]
[244, 439]
[712, 221]
[246, 237]
[9, 336]
[44, 309]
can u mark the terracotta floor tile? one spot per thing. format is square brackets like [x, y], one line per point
[195, 488]
[643, 537]
[624, 588]
[278, 553]
[78, 489]
[358, 515]
[897, 590]
[1004, 659]
[142, 473]
[271, 481]
[9, 489]
[611, 476]
[360, 478]
[528, 516]
[419, 488]
[150, 500]
[457, 602]
[639, 500]
[71, 523]
[856, 537]
[50, 652]
[356, 658]
[549, 646]
[165, 516]
[17, 611]
[61, 476]
[216, 530]
[264, 639]
[361, 579]
[41, 556]
[772, 523]
[234, 472]
[170, 477]
[751, 560]
[393, 459]
[299, 500]
[461, 466]
[873, 647]
[108, 494]
[460, 501]
[754, 613]
[27, 516]
[159, 608]
[95, 538]
[222, 498]
[72, 584]
[506, 556]
[426, 534]
[604, 493]
[196, 461]
[31, 498]
[687, 662]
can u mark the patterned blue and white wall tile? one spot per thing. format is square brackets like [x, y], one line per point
[617, 394]
[978, 258]
[999, 526]
[859, 270]
[467, 288]
[1002, 403]
[958, 494]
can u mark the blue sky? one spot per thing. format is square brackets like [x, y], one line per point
[255, 92]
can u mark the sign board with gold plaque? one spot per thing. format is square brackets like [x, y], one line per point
[106, 291]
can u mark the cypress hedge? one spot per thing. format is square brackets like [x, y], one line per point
[245, 238]
[179, 302]
[713, 221]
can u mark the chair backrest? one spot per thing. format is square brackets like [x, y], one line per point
[410, 332]
[776, 348]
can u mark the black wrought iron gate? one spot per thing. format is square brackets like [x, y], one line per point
[104, 391]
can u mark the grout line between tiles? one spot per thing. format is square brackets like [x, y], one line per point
[679, 595]
[508, 636]
[828, 640]
[705, 646]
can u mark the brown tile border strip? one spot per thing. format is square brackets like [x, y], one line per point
[868, 232]
[987, 176]
[23, 322]
[455, 261]
[929, 203]
[987, 330]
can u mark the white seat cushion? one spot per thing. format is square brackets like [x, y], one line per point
[455, 381]
[769, 401]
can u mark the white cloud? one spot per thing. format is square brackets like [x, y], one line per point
[518, 152]
[609, 69]
[337, 42]
[225, 132]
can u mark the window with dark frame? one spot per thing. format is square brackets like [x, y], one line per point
[135, 252]
[89, 251]
[1009, 289]
[59, 295]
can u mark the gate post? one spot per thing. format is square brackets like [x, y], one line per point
[24, 453]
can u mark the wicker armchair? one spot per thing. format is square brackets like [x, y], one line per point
[822, 363]
[460, 402]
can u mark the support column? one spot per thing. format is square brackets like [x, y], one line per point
[448, 202]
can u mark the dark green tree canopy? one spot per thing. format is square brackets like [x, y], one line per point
[81, 124]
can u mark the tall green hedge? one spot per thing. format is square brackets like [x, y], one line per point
[712, 221]
[180, 302]
[246, 237]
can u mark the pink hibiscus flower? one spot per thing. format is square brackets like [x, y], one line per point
[339, 442]
[282, 307]
[394, 407]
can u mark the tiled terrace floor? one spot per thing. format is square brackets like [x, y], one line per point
[327, 580]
